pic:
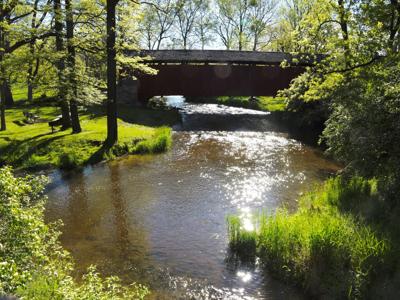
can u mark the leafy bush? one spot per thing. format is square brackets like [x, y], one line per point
[161, 142]
[363, 129]
[69, 161]
[327, 252]
[33, 264]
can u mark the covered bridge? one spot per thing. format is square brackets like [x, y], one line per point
[208, 73]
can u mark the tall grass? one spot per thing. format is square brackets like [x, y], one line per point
[242, 241]
[327, 252]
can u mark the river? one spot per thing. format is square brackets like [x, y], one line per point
[161, 220]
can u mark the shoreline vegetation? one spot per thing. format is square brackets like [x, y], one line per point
[32, 145]
[340, 244]
[264, 103]
[34, 265]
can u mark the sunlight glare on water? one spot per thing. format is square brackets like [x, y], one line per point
[161, 220]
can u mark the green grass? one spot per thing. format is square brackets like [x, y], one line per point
[265, 103]
[272, 103]
[20, 93]
[323, 249]
[34, 146]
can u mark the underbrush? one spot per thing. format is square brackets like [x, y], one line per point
[323, 248]
[33, 263]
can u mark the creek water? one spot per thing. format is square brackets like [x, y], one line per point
[161, 220]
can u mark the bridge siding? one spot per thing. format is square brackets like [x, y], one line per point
[216, 80]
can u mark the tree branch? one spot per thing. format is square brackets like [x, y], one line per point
[21, 43]
[351, 68]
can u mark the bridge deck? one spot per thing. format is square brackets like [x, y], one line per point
[224, 57]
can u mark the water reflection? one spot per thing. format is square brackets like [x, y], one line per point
[120, 219]
[162, 220]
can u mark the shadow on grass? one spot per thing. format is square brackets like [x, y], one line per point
[99, 155]
[31, 145]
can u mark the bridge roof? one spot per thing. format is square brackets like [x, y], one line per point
[225, 57]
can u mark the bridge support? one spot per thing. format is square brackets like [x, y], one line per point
[127, 92]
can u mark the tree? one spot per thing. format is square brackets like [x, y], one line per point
[359, 80]
[14, 34]
[112, 123]
[240, 21]
[71, 67]
[261, 17]
[290, 29]
[38, 16]
[225, 25]
[204, 24]
[58, 27]
[187, 13]
[158, 19]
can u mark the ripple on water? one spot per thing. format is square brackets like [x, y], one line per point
[161, 220]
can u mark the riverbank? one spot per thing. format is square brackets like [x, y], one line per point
[26, 145]
[335, 246]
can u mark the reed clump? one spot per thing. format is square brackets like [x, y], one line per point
[323, 249]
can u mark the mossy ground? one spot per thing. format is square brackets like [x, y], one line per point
[34, 146]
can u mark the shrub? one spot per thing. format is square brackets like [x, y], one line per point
[33, 264]
[159, 143]
[69, 161]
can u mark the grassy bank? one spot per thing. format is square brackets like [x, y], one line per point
[264, 103]
[323, 247]
[30, 146]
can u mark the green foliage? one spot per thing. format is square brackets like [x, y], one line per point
[326, 251]
[24, 238]
[356, 84]
[33, 264]
[362, 130]
[92, 287]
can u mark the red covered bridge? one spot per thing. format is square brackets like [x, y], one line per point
[206, 73]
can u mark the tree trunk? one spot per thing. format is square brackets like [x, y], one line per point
[345, 32]
[58, 26]
[255, 42]
[8, 97]
[112, 125]
[32, 53]
[76, 126]
[30, 87]
[3, 125]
